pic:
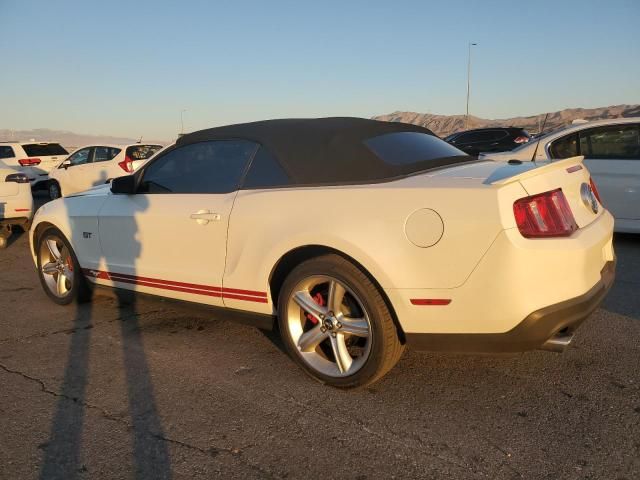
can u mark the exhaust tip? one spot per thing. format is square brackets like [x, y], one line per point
[558, 343]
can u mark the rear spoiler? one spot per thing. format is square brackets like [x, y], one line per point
[511, 172]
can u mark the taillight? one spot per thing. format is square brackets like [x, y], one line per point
[521, 139]
[28, 162]
[126, 165]
[595, 190]
[544, 215]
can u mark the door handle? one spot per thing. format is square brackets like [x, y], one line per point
[205, 216]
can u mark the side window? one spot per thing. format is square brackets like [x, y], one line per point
[611, 142]
[205, 167]
[80, 157]
[6, 151]
[104, 154]
[265, 171]
[497, 135]
[564, 147]
[466, 138]
[476, 137]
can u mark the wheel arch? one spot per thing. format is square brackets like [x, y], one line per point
[37, 231]
[287, 262]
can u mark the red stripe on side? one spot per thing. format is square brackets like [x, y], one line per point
[194, 288]
[22, 209]
[169, 282]
[241, 297]
[96, 274]
[244, 292]
[116, 278]
[430, 301]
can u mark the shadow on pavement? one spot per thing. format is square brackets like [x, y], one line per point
[624, 297]
[63, 452]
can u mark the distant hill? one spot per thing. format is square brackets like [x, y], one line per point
[444, 125]
[69, 140]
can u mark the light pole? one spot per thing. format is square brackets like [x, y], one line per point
[182, 121]
[466, 121]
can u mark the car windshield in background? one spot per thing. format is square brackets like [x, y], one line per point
[44, 149]
[406, 148]
[142, 152]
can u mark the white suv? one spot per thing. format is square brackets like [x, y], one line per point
[16, 202]
[95, 165]
[34, 159]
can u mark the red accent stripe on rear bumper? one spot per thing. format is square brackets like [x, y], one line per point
[194, 288]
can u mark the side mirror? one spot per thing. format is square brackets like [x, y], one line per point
[124, 185]
[66, 164]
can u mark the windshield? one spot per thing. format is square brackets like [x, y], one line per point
[541, 138]
[142, 152]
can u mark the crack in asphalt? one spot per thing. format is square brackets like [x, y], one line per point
[212, 451]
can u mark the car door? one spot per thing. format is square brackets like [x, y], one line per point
[101, 169]
[612, 155]
[72, 172]
[170, 237]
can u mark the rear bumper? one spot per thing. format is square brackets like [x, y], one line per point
[531, 333]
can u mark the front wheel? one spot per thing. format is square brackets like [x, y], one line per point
[58, 268]
[335, 323]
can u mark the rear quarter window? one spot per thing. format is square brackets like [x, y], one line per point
[265, 172]
[6, 151]
[44, 149]
[564, 147]
[406, 148]
[142, 152]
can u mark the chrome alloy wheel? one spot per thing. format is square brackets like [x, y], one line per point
[329, 326]
[56, 265]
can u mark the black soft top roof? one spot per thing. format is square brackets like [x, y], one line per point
[324, 150]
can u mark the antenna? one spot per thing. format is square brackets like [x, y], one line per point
[533, 158]
[140, 139]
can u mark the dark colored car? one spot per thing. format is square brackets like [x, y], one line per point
[497, 139]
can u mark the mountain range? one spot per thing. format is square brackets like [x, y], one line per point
[441, 125]
[70, 140]
[444, 125]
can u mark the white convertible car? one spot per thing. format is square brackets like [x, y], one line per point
[355, 237]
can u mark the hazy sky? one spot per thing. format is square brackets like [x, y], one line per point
[128, 68]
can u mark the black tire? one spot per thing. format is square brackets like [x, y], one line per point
[386, 347]
[54, 190]
[79, 291]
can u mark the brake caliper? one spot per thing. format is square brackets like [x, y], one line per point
[319, 299]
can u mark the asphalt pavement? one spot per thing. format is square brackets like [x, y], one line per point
[116, 389]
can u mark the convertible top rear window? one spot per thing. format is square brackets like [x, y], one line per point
[406, 148]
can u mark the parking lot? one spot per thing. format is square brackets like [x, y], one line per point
[117, 389]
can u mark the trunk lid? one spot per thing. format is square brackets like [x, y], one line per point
[537, 177]
[571, 175]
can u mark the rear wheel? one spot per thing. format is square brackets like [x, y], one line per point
[59, 270]
[54, 190]
[335, 323]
